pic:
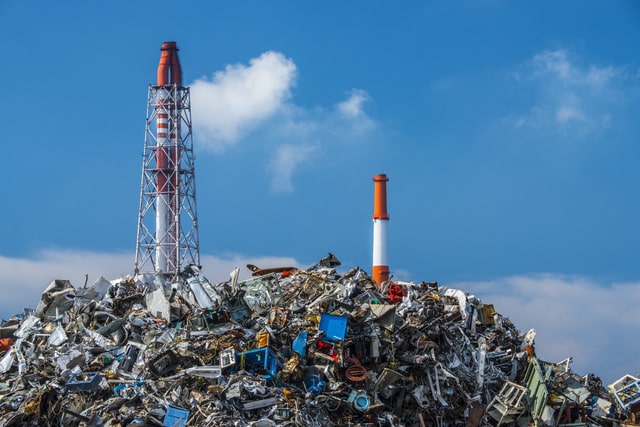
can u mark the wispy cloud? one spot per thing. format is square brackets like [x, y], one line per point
[352, 109]
[287, 159]
[352, 106]
[553, 63]
[567, 93]
[558, 65]
[567, 113]
[591, 321]
[306, 133]
[255, 101]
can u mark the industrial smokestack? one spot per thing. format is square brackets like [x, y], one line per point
[167, 220]
[167, 110]
[380, 221]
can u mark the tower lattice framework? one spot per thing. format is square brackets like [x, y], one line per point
[167, 219]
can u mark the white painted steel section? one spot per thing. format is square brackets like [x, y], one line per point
[162, 200]
[380, 242]
[162, 225]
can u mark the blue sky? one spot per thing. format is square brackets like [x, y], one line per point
[508, 130]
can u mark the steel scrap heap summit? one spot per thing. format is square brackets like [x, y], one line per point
[287, 347]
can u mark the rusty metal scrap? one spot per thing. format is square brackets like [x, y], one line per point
[288, 347]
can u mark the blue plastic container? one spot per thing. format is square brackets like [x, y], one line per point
[176, 417]
[259, 362]
[299, 345]
[84, 381]
[314, 384]
[334, 327]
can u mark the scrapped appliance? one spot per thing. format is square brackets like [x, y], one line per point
[288, 347]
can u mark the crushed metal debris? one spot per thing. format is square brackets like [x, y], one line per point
[287, 347]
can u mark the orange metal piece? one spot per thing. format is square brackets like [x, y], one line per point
[257, 271]
[380, 197]
[380, 273]
[5, 344]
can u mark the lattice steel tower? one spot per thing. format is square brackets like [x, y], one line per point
[167, 219]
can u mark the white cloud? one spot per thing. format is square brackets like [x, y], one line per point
[310, 132]
[343, 123]
[283, 164]
[598, 77]
[352, 110]
[255, 103]
[568, 94]
[305, 132]
[595, 323]
[234, 101]
[567, 113]
[22, 280]
[559, 66]
[352, 106]
[32, 275]
[554, 63]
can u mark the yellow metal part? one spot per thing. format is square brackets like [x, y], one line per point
[263, 339]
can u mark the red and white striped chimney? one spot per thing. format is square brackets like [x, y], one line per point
[380, 221]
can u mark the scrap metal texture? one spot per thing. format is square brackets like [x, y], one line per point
[288, 347]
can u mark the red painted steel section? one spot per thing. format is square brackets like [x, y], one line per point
[168, 155]
[169, 63]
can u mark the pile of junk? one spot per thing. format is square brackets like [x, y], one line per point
[286, 347]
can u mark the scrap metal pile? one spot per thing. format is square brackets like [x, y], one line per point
[288, 347]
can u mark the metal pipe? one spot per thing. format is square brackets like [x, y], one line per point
[380, 271]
